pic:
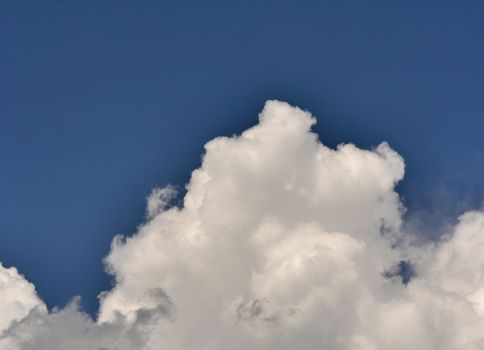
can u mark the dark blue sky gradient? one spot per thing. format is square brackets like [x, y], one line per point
[102, 100]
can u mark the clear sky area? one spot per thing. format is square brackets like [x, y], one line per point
[101, 101]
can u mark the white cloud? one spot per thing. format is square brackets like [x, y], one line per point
[281, 243]
[159, 200]
[17, 296]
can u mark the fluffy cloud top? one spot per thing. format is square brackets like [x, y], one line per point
[280, 243]
[17, 297]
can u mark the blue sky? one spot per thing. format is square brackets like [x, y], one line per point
[102, 101]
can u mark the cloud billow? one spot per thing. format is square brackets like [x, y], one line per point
[281, 243]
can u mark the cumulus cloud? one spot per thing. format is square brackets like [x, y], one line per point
[281, 243]
[17, 296]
